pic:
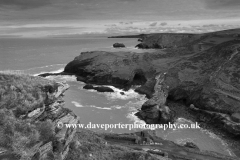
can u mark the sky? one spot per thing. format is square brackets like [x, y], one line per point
[47, 18]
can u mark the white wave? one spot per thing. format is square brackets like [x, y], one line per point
[132, 47]
[105, 108]
[117, 107]
[121, 94]
[90, 90]
[77, 104]
[47, 66]
[67, 78]
[56, 71]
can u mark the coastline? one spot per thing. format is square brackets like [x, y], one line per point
[184, 112]
[143, 79]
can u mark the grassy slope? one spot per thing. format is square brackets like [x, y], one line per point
[20, 94]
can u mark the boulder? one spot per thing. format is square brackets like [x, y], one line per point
[118, 45]
[88, 86]
[103, 89]
[150, 115]
[142, 46]
[99, 89]
[122, 93]
[191, 145]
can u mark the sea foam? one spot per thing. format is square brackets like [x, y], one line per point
[130, 94]
[55, 71]
[68, 78]
[77, 104]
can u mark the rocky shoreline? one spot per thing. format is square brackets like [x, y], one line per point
[70, 143]
[184, 71]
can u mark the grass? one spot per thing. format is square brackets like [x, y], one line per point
[19, 95]
[23, 93]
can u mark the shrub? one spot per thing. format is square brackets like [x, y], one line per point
[46, 130]
[17, 135]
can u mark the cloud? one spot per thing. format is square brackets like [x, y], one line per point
[129, 0]
[163, 24]
[25, 4]
[219, 4]
[153, 24]
[210, 25]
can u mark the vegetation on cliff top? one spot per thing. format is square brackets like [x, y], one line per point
[19, 95]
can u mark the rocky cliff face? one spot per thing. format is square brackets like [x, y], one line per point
[168, 40]
[208, 79]
[118, 69]
[154, 110]
[201, 71]
[190, 41]
[47, 110]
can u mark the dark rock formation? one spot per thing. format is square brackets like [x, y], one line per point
[154, 110]
[104, 68]
[142, 46]
[191, 145]
[99, 89]
[88, 86]
[167, 40]
[118, 45]
[207, 77]
[201, 78]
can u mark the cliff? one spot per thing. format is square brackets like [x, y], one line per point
[186, 40]
[30, 109]
[197, 70]
[209, 79]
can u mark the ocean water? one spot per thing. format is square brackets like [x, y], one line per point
[34, 56]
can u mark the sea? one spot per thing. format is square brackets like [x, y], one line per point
[40, 55]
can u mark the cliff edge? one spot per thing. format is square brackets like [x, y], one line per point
[30, 109]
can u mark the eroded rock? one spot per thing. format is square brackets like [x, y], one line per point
[118, 45]
[99, 88]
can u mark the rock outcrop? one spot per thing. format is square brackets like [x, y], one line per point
[176, 40]
[118, 45]
[208, 79]
[168, 40]
[49, 112]
[154, 110]
[99, 89]
[200, 69]
[117, 69]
